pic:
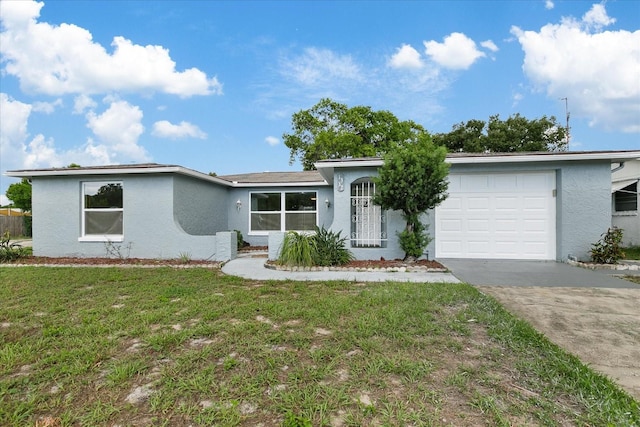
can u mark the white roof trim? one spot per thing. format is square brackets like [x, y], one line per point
[158, 169]
[116, 171]
[237, 184]
[619, 185]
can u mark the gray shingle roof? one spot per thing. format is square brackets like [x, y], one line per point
[274, 177]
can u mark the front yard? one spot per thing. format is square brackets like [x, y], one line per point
[179, 347]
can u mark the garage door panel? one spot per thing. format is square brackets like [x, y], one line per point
[474, 183]
[478, 225]
[535, 203]
[507, 204]
[451, 225]
[478, 203]
[499, 215]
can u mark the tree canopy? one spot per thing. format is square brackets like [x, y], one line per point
[331, 130]
[515, 134]
[20, 194]
[413, 179]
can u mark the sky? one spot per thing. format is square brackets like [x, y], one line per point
[212, 85]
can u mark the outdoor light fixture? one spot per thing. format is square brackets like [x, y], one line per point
[238, 204]
[328, 203]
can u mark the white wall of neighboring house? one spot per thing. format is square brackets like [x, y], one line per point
[627, 220]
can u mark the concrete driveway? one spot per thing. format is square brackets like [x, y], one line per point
[533, 273]
[591, 314]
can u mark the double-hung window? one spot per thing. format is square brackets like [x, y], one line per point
[283, 211]
[102, 211]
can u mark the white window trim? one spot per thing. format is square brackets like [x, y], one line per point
[283, 213]
[98, 237]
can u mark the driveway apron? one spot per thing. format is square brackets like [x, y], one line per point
[591, 314]
[532, 273]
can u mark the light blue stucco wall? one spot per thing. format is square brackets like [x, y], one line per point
[200, 207]
[151, 226]
[584, 207]
[239, 218]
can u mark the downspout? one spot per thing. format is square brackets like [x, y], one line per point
[620, 167]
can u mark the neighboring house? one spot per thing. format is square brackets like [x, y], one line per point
[546, 206]
[625, 205]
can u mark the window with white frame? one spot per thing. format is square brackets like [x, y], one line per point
[102, 210]
[626, 199]
[368, 221]
[283, 211]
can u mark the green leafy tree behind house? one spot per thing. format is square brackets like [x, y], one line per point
[20, 195]
[331, 130]
[413, 179]
[515, 134]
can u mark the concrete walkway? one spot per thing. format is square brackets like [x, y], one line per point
[253, 268]
[534, 273]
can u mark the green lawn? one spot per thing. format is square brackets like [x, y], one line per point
[77, 344]
[632, 252]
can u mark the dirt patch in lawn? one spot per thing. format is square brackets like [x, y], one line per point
[600, 326]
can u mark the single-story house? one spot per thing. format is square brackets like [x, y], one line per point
[625, 200]
[543, 206]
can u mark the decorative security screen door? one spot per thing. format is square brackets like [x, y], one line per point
[368, 222]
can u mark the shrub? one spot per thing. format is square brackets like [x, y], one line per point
[414, 242]
[330, 248]
[10, 251]
[608, 249]
[297, 249]
[241, 242]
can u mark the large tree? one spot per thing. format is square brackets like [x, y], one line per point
[413, 179]
[20, 194]
[331, 130]
[515, 134]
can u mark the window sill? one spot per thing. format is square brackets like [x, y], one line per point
[626, 213]
[105, 238]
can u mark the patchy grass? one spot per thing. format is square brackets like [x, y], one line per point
[632, 252]
[179, 347]
[634, 279]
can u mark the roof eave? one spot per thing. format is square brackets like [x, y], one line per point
[115, 171]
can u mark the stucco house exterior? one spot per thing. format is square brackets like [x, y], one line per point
[543, 206]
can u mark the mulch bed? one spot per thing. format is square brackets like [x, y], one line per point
[40, 260]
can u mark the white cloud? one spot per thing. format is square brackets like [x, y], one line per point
[72, 63]
[272, 141]
[118, 128]
[320, 66]
[406, 57]
[596, 70]
[82, 103]
[165, 129]
[597, 17]
[457, 52]
[47, 107]
[490, 45]
[548, 4]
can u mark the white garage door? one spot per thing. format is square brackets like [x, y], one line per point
[498, 216]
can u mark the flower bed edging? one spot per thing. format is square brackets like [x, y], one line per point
[354, 269]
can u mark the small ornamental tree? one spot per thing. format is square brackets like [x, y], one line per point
[413, 179]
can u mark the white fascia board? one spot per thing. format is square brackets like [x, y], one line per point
[236, 184]
[560, 157]
[529, 157]
[116, 171]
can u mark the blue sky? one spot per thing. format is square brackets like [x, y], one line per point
[212, 85]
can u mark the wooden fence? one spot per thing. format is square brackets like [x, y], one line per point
[13, 224]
